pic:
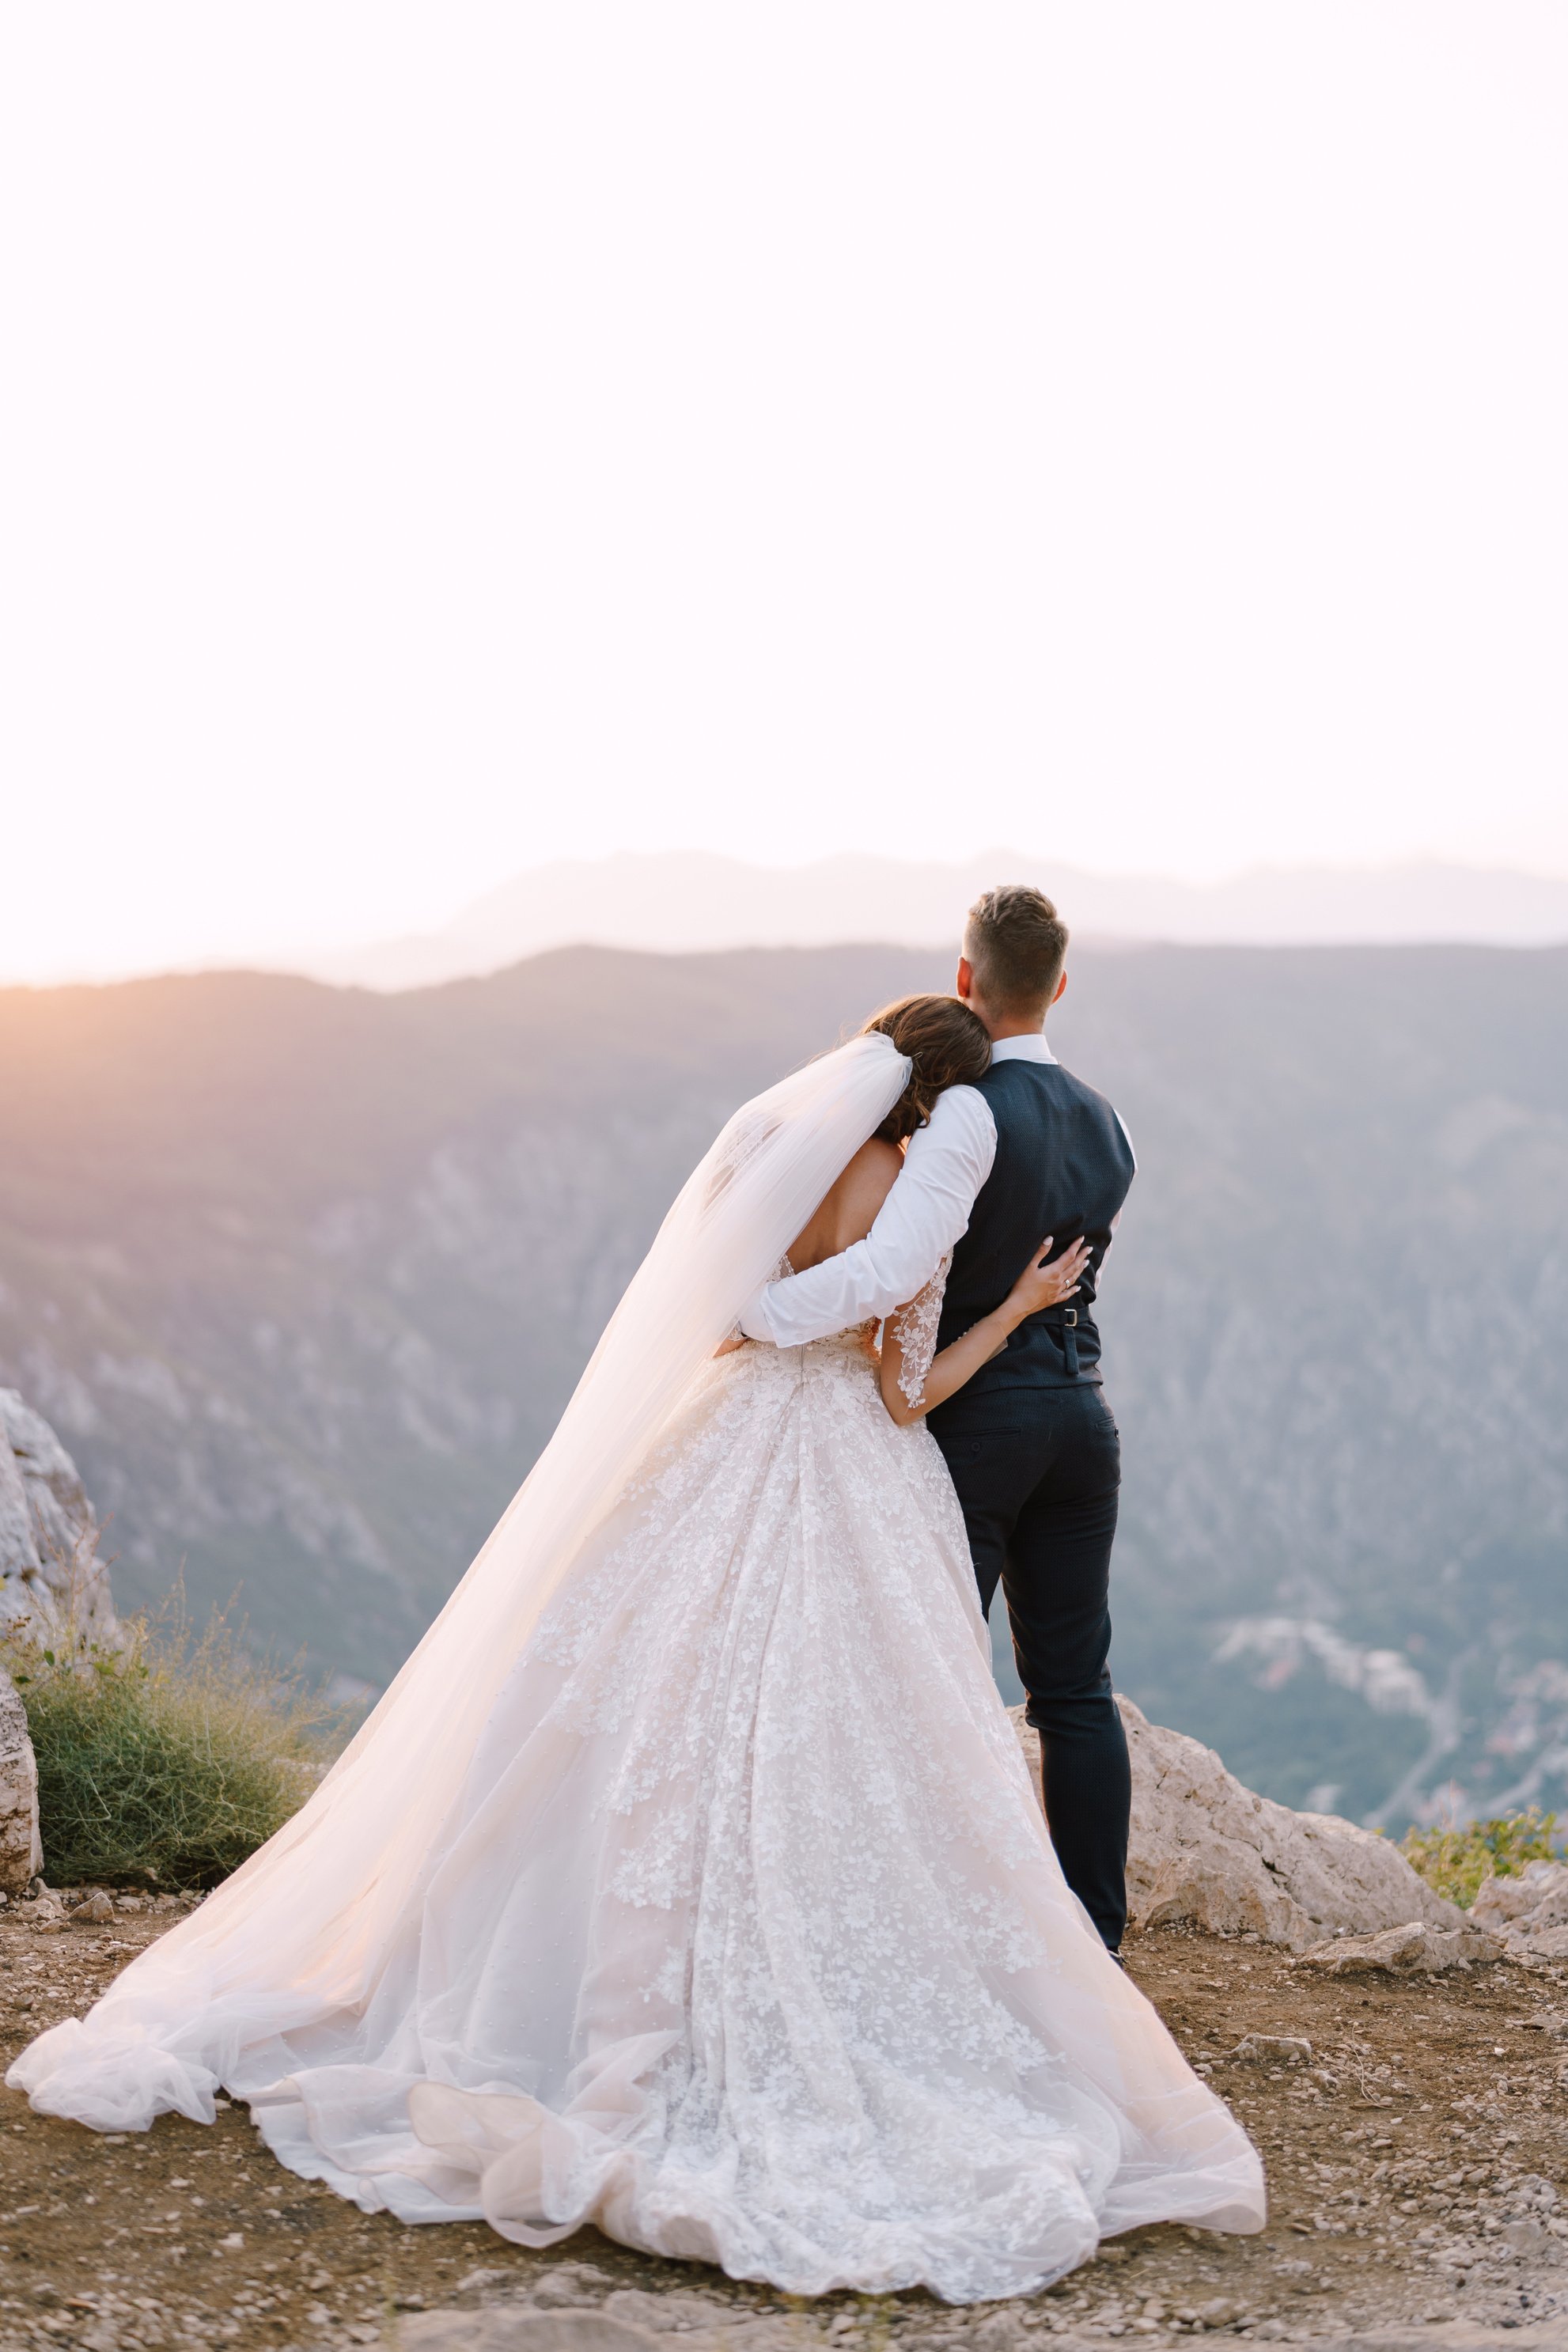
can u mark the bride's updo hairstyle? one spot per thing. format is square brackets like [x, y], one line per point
[948, 1044]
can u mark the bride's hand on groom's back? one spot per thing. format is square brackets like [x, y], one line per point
[1047, 1284]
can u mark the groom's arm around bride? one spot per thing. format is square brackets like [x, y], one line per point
[1029, 1440]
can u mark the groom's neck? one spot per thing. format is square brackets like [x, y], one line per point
[1019, 1019]
[1001, 1022]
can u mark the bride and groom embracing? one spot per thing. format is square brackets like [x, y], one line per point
[689, 1881]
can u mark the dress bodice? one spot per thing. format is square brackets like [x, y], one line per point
[855, 1347]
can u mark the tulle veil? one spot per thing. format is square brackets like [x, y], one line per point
[304, 1929]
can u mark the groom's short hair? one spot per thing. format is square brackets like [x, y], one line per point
[1017, 944]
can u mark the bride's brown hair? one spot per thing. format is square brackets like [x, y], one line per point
[948, 1044]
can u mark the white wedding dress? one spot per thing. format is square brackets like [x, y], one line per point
[738, 1931]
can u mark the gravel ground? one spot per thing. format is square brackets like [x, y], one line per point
[1416, 2152]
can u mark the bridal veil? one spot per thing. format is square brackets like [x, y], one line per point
[306, 1928]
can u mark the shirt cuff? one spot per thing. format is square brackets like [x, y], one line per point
[754, 1317]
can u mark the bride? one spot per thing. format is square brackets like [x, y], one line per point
[688, 1880]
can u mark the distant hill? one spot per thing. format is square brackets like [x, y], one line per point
[303, 1275]
[687, 899]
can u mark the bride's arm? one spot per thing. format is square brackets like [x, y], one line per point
[1039, 1286]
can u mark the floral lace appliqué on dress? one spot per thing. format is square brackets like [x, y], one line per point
[779, 1970]
[749, 1945]
[915, 1328]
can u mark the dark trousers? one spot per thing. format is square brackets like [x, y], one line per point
[1038, 1471]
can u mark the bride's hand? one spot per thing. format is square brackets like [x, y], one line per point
[1040, 1284]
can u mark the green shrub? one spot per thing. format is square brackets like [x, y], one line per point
[164, 1764]
[1456, 1861]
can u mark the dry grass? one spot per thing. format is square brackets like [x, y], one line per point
[1455, 1860]
[165, 1763]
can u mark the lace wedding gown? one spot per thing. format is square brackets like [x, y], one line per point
[745, 1939]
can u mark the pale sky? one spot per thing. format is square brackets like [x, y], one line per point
[439, 439]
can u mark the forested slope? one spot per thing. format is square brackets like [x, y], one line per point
[303, 1275]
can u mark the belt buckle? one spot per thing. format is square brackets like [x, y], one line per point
[1070, 1317]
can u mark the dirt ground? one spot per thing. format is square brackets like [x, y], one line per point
[1416, 2157]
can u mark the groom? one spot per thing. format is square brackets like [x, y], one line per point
[1030, 1440]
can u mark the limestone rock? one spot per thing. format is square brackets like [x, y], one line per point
[1458, 2335]
[1529, 1911]
[1206, 1848]
[51, 1576]
[1547, 1944]
[1415, 1949]
[1540, 1891]
[514, 2330]
[21, 1855]
[661, 2312]
[1272, 2050]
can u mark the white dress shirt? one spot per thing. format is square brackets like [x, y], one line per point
[927, 1211]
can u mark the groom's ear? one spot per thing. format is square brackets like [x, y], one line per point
[1060, 989]
[963, 987]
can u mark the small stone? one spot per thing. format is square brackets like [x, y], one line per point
[1272, 2050]
[660, 2313]
[999, 2333]
[95, 1911]
[569, 2285]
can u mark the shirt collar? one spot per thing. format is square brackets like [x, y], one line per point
[1032, 1049]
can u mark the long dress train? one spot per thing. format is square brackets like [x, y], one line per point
[688, 1879]
[751, 1946]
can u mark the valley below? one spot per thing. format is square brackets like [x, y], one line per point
[302, 1276]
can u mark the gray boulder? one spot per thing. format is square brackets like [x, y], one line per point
[21, 1855]
[52, 1579]
[519, 2331]
[1207, 1849]
[1412, 1951]
[54, 1587]
[1528, 1910]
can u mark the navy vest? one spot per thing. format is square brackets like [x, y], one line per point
[1063, 1167]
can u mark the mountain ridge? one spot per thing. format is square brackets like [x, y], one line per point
[693, 902]
[681, 902]
[303, 1275]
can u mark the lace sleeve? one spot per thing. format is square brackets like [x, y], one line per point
[914, 1328]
